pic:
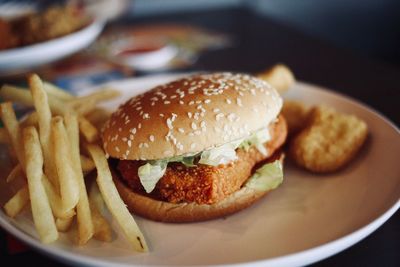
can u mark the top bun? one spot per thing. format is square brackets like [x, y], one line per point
[190, 115]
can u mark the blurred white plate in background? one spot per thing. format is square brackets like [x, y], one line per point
[21, 59]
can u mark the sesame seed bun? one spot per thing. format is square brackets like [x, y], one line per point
[190, 115]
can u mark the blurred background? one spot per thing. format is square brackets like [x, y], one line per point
[369, 27]
[107, 40]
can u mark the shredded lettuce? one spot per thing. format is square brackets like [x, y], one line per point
[220, 155]
[188, 161]
[151, 172]
[268, 177]
[258, 140]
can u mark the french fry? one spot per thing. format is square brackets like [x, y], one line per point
[84, 217]
[87, 164]
[22, 96]
[113, 200]
[41, 211]
[15, 204]
[279, 76]
[102, 229]
[14, 132]
[30, 120]
[63, 225]
[96, 198]
[55, 201]
[50, 89]
[40, 101]
[16, 172]
[98, 117]
[96, 97]
[88, 130]
[57, 92]
[83, 110]
[69, 188]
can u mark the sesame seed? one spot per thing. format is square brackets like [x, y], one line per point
[169, 124]
[231, 117]
[139, 125]
[215, 110]
[207, 101]
[228, 101]
[117, 149]
[181, 130]
[166, 102]
[189, 115]
[124, 139]
[129, 143]
[219, 116]
[194, 126]
[151, 138]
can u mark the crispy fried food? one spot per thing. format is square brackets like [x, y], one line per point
[205, 184]
[296, 115]
[279, 76]
[330, 140]
[15, 204]
[113, 200]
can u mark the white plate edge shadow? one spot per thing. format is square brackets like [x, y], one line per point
[17, 57]
[299, 258]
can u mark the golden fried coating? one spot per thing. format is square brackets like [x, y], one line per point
[296, 115]
[205, 184]
[279, 76]
[330, 140]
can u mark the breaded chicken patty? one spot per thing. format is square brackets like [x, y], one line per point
[205, 184]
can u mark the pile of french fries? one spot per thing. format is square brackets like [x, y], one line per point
[54, 147]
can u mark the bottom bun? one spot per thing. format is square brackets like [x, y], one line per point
[162, 211]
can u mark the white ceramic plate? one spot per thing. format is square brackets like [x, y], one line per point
[24, 58]
[308, 218]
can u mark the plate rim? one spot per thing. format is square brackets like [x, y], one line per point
[303, 257]
[15, 56]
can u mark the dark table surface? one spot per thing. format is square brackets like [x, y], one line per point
[261, 42]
